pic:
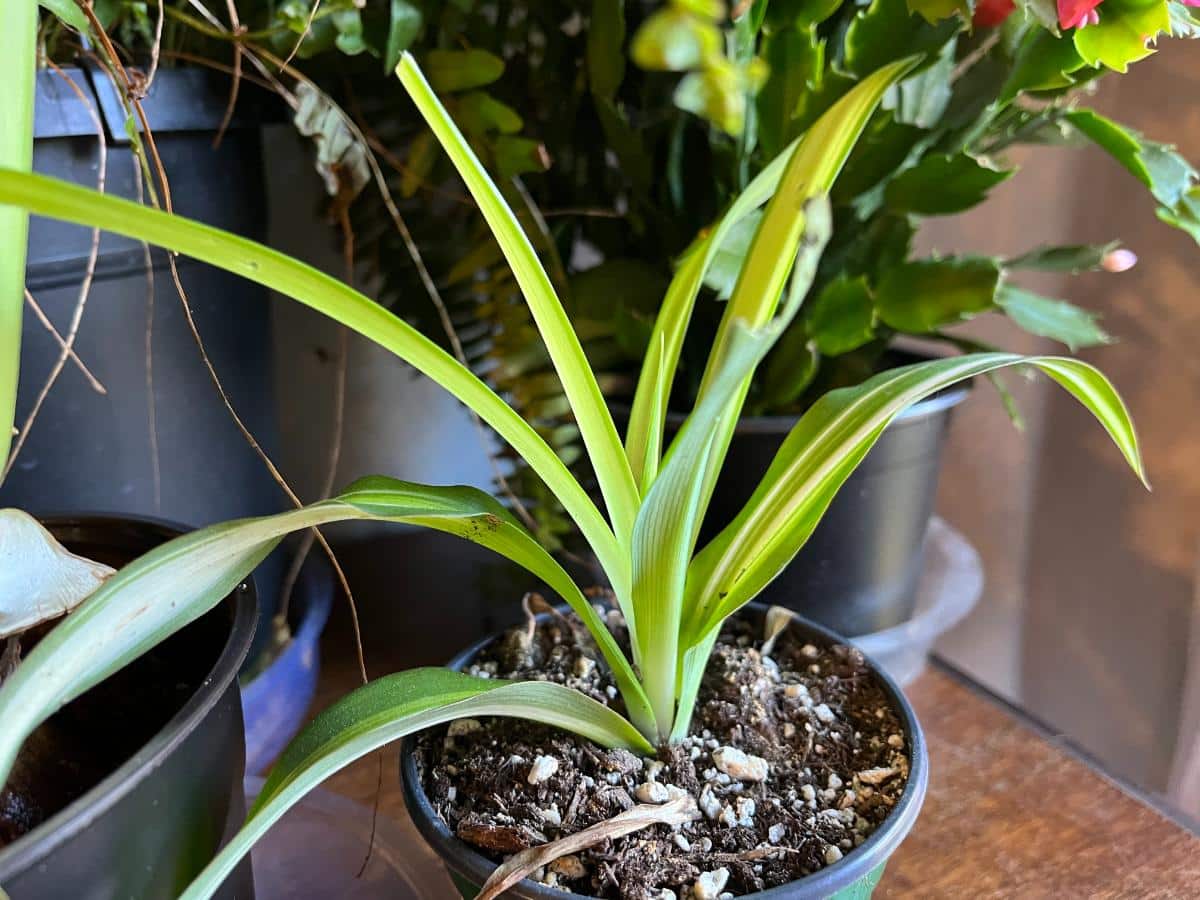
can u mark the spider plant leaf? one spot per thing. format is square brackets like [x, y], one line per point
[390, 708]
[579, 383]
[824, 149]
[18, 24]
[174, 584]
[71, 203]
[823, 450]
[664, 535]
[669, 520]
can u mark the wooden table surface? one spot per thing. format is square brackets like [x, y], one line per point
[1009, 813]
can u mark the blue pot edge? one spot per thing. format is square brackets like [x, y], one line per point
[854, 867]
[288, 673]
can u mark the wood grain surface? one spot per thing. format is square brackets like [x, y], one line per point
[1009, 813]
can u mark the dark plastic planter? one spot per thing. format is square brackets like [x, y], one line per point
[173, 797]
[275, 702]
[854, 877]
[88, 451]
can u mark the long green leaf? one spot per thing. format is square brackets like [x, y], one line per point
[664, 536]
[390, 708]
[172, 585]
[669, 521]
[824, 448]
[579, 383]
[71, 203]
[18, 24]
[825, 148]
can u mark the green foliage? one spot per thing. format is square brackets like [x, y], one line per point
[674, 598]
[1054, 319]
[940, 184]
[927, 295]
[633, 126]
[1171, 179]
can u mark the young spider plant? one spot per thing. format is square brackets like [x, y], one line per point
[674, 597]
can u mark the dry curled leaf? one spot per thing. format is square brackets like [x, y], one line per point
[676, 812]
[776, 622]
[39, 578]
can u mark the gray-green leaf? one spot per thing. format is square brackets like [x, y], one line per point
[921, 296]
[1055, 319]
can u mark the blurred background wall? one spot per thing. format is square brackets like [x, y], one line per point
[1090, 601]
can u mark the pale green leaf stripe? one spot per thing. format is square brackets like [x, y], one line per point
[665, 533]
[71, 203]
[825, 148]
[823, 151]
[812, 170]
[579, 383]
[18, 25]
[172, 585]
[813, 462]
[643, 441]
[668, 523]
[391, 708]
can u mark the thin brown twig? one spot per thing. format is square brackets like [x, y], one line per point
[236, 83]
[130, 96]
[557, 271]
[447, 323]
[156, 47]
[224, 69]
[393, 161]
[335, 445]
[85, 286]
[92, 380]
[312, 14]
[148, 352]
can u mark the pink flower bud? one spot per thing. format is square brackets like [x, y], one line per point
[1120, 260]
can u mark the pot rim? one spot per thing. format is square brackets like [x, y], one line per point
[855, 865]
[32, 848]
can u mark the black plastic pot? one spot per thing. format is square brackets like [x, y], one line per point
[857, 574]
[852, 878]
[88, 451]
[154, 787]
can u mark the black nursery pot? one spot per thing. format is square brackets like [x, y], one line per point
[133, 787]
[854, 877]
[858, 571]
[92, 451]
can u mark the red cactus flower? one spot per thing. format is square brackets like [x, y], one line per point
[990, 13]
[1078, 13]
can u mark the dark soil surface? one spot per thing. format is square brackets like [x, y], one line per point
[95, 734]
[812, 719]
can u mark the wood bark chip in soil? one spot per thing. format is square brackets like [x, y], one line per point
[836, 763]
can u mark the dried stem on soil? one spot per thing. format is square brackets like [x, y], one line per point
[676, 812]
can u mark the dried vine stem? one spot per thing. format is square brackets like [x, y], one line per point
[85, 286]
[131, 97]
[335, 446]
[148, 352]
[236, 83]
[312, 15]
[92, 380]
